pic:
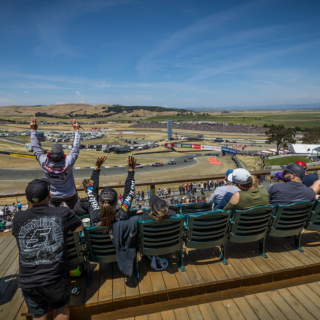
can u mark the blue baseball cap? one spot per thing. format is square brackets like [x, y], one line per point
[229, 171]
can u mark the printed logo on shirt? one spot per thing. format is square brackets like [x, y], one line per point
[56, 173]
[90, 184]
[41, 241]
[125, 207]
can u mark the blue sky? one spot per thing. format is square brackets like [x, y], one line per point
[179, 54]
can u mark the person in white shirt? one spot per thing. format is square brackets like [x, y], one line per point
[221, 191]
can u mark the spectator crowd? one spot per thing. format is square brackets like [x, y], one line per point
[41, 230]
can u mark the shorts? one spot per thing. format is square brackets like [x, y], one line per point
[40, 299]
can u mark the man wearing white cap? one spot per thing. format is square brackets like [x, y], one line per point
[249, 196]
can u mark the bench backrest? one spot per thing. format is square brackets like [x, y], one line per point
[249, 225]
[99, 245]
[176, 208]
[313, 222]
[160, 237]
[289, 219]
[196, 207]
[74, 250]
[207, 229]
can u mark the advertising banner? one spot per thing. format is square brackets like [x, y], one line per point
[203, 147]
[230, 151]
[169, 145]
[196, 146]
[186, 146]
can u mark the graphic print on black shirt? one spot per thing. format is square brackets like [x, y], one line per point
[41, 241]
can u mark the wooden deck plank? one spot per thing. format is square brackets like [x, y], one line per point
[181, 314]
[258, 308]
[182, 277]
[308, 292]
[201, 265]
[192, 270]
[23, 308]
[155, 316]
[12, 308]
[214, 263]
[7, 247]
[233, 310]
[286, 254]
[220, 310]
[145, 317]
[237, 264]
[157, 281]
[245, 308]
[305, 301]
[5, 243]
[285, 308]
[303, 256]
[8, 261]
[270, 306]
[314, 287]
[169, 277]
[256, 258]
[278, 256]
[145, 285]
[271, 261]
[295, 304]
[106, 283]
[194, 313]
[92, 293]
[119, 290]
[207, 312]
[247, 262]
[229, 270]
[10, 275]
[168, 315]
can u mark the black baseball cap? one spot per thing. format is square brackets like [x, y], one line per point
[37, 190]
[159, 206]
[56, 152]
[110, 195]
[295, 169]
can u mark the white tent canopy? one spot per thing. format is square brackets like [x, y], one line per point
[303, 148]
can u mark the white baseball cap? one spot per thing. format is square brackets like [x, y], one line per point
[239, 176]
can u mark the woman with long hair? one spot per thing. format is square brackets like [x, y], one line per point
[103, 208]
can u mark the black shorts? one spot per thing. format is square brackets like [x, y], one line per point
[40, 299]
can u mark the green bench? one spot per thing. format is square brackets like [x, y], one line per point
[207, 230]
[196, 207]
[313, 221]
[250, 225]
[289, 220]
[161, 237]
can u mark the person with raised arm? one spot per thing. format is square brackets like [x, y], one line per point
[57, 167]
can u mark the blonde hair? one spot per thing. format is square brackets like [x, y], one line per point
[255, 181]
[107, 215]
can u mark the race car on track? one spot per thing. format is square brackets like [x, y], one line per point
[172, 162]
[138, 166]
[157, 164]
[185, 160]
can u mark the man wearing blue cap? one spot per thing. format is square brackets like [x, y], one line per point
[221, 191]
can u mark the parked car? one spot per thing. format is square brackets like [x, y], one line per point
[172, 162]
[106, 151]
[157, 164]
[138, 166]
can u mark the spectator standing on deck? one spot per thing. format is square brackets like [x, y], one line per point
[43, 273]
[142, 195]
[19, 206]
[57, 167]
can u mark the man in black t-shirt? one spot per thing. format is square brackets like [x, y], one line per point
[41, 234]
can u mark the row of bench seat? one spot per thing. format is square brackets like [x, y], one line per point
[200, 230]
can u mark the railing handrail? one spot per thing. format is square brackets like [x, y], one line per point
[153, 182]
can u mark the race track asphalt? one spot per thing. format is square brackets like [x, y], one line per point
[30, 174]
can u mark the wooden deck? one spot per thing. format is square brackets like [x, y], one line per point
[206, 279]
[294, 303]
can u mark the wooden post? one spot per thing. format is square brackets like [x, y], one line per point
[153, 189]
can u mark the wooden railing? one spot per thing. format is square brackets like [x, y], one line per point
[152, 183]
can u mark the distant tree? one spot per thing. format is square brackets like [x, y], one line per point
[281, 136]
[265, 126]
[312, 136]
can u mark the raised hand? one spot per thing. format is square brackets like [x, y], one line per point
[76, 125]
[132, 163]
[33, 123]
[99, 162]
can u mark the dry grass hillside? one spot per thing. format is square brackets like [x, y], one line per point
[80, 109]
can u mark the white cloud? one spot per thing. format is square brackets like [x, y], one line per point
[57, 102]
[78, 93]
[81, 101]
[103, 85]
[27, 92]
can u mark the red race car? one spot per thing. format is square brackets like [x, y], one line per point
[157, 164]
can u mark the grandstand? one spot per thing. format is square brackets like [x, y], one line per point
[258, 288]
